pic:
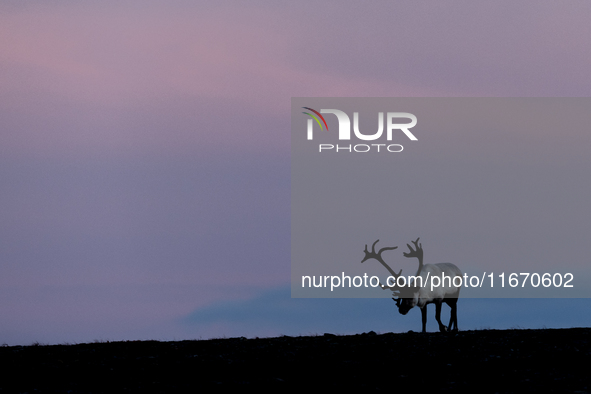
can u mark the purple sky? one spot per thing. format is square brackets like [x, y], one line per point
[145, 148]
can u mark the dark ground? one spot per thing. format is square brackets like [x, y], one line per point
[488, 361]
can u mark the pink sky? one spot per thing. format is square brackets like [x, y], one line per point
[105, 60]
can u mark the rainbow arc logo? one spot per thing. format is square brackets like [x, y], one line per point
[315, 118]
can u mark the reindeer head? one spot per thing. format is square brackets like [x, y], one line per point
[407, 298]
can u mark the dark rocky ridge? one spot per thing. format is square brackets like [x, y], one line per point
[488, 361]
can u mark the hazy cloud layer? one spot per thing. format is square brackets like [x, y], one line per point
[274, 313]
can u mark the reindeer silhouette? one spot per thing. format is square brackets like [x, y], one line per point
[417, 292]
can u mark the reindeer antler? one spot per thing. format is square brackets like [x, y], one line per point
[414, 253]
[378, 257]
[417, 252]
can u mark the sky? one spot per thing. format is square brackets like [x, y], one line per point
[145, 152]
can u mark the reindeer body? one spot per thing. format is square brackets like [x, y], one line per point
[414, 295]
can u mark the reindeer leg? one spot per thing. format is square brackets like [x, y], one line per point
[424, 316]
[442, 327]
[454, 314]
